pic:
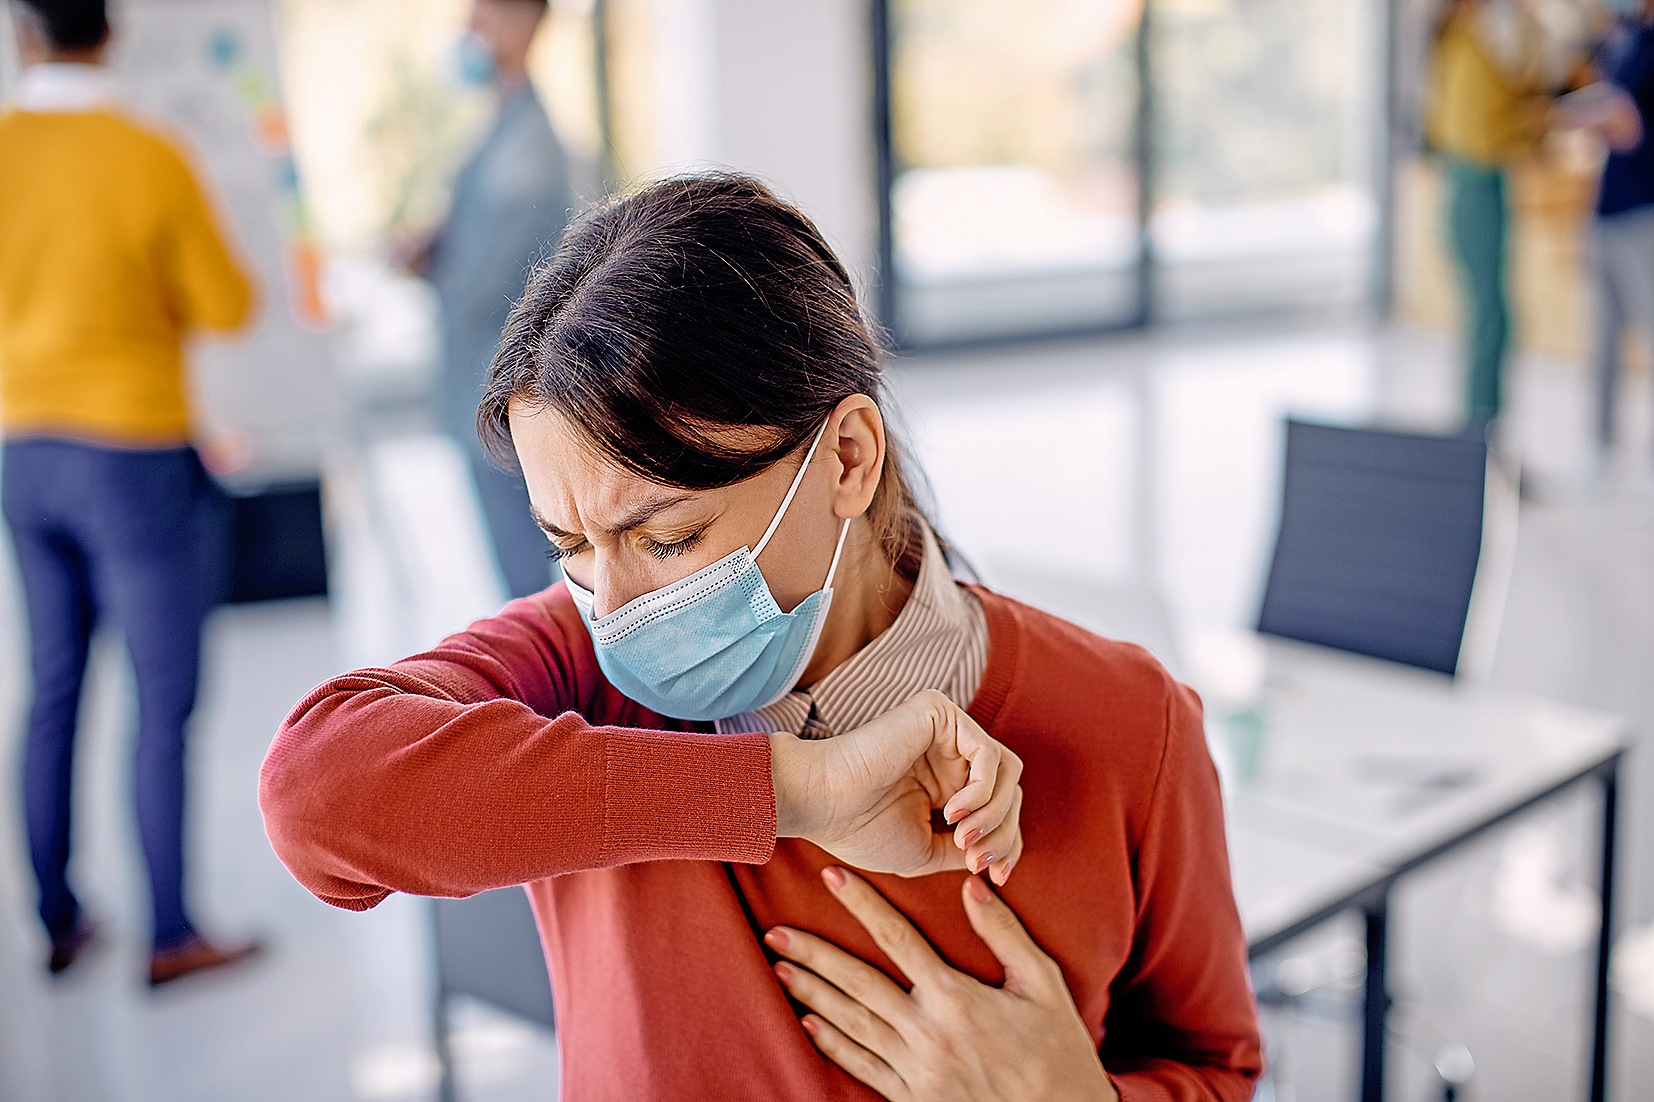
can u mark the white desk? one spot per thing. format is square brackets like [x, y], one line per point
[1285, 887]
[1367, 771]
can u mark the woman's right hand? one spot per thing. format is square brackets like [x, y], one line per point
[866, 796]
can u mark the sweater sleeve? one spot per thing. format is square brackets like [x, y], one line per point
[473, 766]
[1182, 1023]
[209, 287]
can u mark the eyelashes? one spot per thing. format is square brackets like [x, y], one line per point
[558, 554]
[672, 550]
[662, 551]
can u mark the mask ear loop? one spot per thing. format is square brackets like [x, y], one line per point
[798, 479]
[843, 531]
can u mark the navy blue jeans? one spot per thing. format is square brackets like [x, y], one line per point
[137, 537]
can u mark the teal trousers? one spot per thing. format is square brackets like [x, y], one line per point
[1478, 218]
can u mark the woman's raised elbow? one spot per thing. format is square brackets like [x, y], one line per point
[309, 780]
[292, 796]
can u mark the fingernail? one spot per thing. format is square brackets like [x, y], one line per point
[834, 877]
[979, 891]
[1005, 872]
[776, 939]
[811, 1026]
[970, 839]
[958, 814]
[983, 862]
[784, 972]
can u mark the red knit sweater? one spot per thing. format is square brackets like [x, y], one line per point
[648, 849]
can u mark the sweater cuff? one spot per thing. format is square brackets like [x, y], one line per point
[687, 797]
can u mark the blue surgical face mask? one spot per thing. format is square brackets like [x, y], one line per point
[474, 61]
[714, 644]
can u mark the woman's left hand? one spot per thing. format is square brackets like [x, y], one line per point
[950, 1037]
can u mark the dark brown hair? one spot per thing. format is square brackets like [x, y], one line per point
[695, 304]
[71, 24]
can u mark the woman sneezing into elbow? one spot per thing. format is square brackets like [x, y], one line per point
[801, 817]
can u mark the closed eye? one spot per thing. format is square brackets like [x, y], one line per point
[671, 550]
[557, 553]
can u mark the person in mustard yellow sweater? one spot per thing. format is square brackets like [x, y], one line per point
[1484, 111]
[109, 258]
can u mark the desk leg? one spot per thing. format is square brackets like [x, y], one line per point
[1376, 999]
[1605, 936]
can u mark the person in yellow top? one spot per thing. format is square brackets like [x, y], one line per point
[109, 259]
[1484, 111]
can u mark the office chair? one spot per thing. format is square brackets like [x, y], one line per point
[1379, 540]
[488, 947]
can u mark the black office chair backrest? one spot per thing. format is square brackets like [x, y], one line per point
[1379, 540]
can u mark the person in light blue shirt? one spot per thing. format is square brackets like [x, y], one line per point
[510, 204]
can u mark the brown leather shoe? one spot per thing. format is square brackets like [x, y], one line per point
[72, 947]
[195, 956]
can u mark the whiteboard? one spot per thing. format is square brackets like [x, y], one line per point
[208, 69]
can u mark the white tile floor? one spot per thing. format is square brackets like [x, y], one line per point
[1140, 459]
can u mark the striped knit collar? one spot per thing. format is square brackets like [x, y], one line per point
[939, 640]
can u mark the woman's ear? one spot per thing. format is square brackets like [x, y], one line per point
[855, 435]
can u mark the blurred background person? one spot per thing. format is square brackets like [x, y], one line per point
[109, 257]
[1620, 247]
[510, 204]
[1484, 111]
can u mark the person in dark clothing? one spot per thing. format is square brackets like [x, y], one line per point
[1621, 243]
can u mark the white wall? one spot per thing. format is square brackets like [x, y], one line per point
[781, 89]
[9, 63]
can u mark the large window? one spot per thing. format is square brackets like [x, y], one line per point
[1266, 130]
[1015, 197]
[1069, 165]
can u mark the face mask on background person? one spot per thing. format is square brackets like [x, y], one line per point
[714, 644]
[473, 61]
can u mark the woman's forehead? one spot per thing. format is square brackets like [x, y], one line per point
[551, 431]
[560, 457]
[576, 487]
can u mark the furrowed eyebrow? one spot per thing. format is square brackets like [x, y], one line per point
[549, 528]
[641, 515]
